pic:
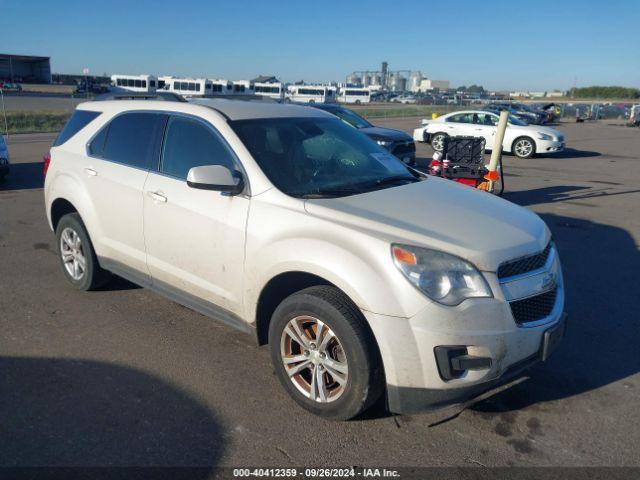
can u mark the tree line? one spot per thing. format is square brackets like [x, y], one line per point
[604, 92]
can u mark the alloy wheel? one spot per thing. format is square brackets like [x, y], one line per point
[314, 359]
[523, 147]
[438, 143]
[72, 253]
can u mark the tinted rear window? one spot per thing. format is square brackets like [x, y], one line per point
[134, 139]
[79, 120]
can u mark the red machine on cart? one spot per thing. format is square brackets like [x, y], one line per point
[462, 160]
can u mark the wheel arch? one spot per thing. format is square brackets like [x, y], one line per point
[59, 208]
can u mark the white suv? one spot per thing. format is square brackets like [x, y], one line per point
[363, 276]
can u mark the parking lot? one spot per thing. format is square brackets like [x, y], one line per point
[123, 376]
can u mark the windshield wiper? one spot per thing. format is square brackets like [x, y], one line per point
[388, 181]
[356, 188]
[331, 192]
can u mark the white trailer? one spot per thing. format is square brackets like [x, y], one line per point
[311, 93]
[354, 95]
[134, 83]
[242, 87]
[188, 87]
[272, 90]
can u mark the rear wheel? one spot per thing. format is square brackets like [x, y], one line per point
[523, 147]
[437, 141]
[78, 259]
[324, 354]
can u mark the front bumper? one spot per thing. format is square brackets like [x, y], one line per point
[484, 328]
[4, 169]
[408, 400]
[545, 146]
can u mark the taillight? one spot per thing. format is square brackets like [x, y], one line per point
[47, 160]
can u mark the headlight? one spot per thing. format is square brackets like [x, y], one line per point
[445, 278]
[384, 143]
[544, 136]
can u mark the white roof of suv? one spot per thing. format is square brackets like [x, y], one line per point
[232, 109]
[245, 110]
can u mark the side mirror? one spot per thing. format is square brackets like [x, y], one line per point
[215, 177]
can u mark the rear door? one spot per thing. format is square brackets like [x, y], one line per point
[195, 238]
[120, 157]
[459, 125]
[485, 125]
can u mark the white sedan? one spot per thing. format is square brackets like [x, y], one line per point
[521, 139]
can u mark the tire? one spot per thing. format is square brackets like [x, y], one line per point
[358, 102]
[351, 354]
[438, 139]
[71, 231]
[519, 149]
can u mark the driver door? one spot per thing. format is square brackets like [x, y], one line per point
[194, 238]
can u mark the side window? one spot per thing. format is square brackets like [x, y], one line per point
[189, 143]
[461, 118]
[485, 119]
[77, 122]
[134, 139]
[96, 147]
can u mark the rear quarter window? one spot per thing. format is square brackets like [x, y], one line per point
[79, 120]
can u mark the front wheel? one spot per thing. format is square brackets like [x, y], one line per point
[524, 147]
[437, 141]
[324, 354]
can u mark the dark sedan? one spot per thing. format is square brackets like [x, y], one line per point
[397, 142]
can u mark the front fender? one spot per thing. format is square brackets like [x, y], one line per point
[374, 286]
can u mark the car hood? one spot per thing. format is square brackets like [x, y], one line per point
[443, 215]
[539, 128]
[386, 133]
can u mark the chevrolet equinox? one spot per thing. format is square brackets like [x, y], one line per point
[365, 278]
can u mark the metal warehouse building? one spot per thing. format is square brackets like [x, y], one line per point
[24, 69]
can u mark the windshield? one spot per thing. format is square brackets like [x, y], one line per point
[516, 121]
[351, 118]
[319, 157]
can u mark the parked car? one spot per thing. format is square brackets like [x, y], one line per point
[526, 115]
[4, 158]
[10, 87]
[399, 143]
[521, 139]
[364, 277]
[406, 99]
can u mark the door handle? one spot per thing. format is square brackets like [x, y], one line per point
[90, 171]
[157, 196]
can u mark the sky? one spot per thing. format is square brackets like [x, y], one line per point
[500, 44]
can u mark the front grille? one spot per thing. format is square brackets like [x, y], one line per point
[404, 148]
[524, 264]
[534, 308]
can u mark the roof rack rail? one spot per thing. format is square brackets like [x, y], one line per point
[157, 96]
